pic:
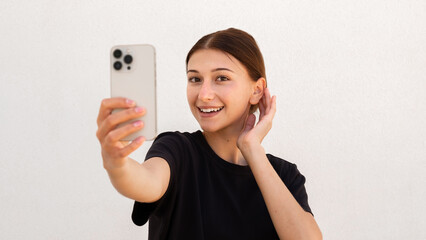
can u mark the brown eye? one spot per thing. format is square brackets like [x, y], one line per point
[222, 78]
[193, 79]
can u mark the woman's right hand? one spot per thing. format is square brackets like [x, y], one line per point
[115, 152]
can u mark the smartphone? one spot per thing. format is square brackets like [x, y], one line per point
[133, 76]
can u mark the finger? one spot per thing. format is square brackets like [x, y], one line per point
[250, 121]
[108, 104]
[272, 108]
[115, 119]
[125, 142]
[267, 101]
[261, 108]
[264, 97]
[116, 135]
[135, 144]
[274, 105]
[264, 102]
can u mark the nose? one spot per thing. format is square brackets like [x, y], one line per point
[206, 92]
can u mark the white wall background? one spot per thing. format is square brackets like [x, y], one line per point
[350, 77]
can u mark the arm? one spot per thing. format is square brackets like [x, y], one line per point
[289, 219]
[146, 182]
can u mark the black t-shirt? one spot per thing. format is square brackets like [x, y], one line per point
[208, 197]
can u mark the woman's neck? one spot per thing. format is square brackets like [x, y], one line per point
[224, 144]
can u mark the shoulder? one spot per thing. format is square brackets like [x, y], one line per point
[293, 179]
[280, 164]
[171, 145]
[170, 135]
[173, 138]
[176, 135]
[288, 171]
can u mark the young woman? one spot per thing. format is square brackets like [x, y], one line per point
[217, 183]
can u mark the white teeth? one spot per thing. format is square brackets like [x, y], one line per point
[208, 110]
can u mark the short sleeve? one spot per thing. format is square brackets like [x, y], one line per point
[170, 146]
[297, 188]
[293, 179]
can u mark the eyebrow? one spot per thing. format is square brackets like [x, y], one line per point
[214, 70]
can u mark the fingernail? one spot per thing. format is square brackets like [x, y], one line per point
[139, 140]
[137, 123]
[130, 102]
[139, 109]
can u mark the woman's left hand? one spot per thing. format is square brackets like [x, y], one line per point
[252, 134]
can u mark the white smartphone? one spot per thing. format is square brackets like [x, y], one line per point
[133, 77]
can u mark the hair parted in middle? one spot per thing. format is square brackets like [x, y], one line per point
[240, 45]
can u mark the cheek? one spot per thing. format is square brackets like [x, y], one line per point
[237, 99]
[240, 94]
[189, 94]
[191, 97]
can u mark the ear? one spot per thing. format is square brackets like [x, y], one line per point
[258, 90]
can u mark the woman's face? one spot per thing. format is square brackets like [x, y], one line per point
[219, 90]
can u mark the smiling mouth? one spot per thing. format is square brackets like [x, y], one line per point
[210, 110]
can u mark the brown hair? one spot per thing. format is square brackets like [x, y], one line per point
[240, 45]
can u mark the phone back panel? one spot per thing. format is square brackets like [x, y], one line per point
[136, 81]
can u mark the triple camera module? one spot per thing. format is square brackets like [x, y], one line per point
[127, 59]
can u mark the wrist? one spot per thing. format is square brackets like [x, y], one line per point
[251, 150]
[116, 169]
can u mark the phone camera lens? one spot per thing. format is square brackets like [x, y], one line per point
[117, 53]
[118, 65]
[128, 59]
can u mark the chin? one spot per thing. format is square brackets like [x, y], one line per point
[208, 128]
